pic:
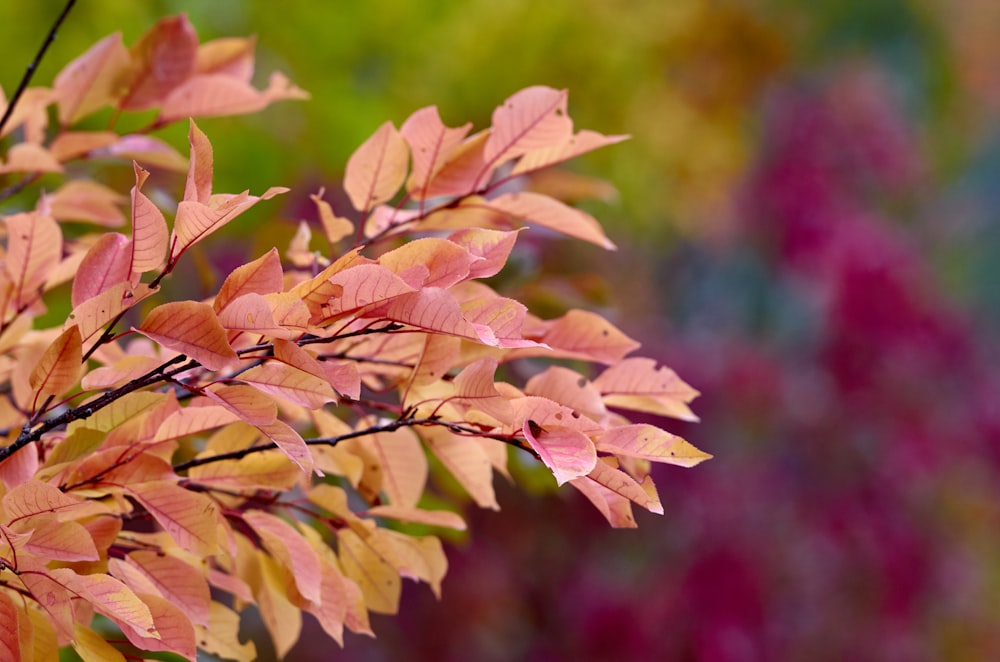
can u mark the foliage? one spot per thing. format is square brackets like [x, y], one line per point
[168, 463]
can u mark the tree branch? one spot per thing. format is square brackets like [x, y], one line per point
[26, 79]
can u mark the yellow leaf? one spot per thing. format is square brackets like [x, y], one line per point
[378, 579]
[93, 648]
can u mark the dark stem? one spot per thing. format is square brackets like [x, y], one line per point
[34, 65]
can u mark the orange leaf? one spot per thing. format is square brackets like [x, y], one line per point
[179, 582]
[62, 541]
[403, 463]
[638, 384]
[462, 171]
[377, 168]
[262, 276]
[52, 597]
[59, 368]
[129, 368]
[83, 200]
[293, 355]
[444, 518]
[567, 452]
[221, 637]
[252, 313]
[292, 383]
[532, 118]
[609, 477]
[187, 517]
[551, 154]
[34, 497]
[198, 186]
[491, 247]
[552, 214]
[433, 309]
[10, 640]
[104, 265]
[429, 262]
[195, 220]
[149, 229]
[498, 321]
[212, 95]
[246, 402]
[431, 143]
[191, 420]
[34, 248]
[91, 80]
[97, 311]
[287, 546]
[163, 58]
[232, 56]
[363, 285]
[191, 328]
[650, 443]
[467, 462]
[174, 630]
[290, 442]
[265, 470]
[334, 227]
[110, 597]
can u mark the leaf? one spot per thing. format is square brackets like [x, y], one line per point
[552, 214]
[637, 383]
[474, 386]
[615, 508]
[498, 321]
[198, 186]
[95, 312]
[377, 578]
[377, 168]
[419, 558]
[444, 518]
[110, 597]
[129, 368]
[462, 171]
[262, 276]
[163, 58]
[549, 155]
[232, 56]
[34, 497]
[439, 262]
[10, 616]
[334, 227]
[105, 264]
[212, 95]
[650, 443]
[361, 286]
[246, 402]
[431, 143]
[567, 452]
[187, 517]
[84, 200]
[191, 420]
[196, 220]
[62, 541]
[147, 150]
[531, 118]
[609, 477]
[177, 580]
[34, 248]
[403, 464]
[467, 462]
[91, 80]
[290, 442]
[331, 609]
[30, 157]
[290, 382]
[53, 598]
[588, 335]
[287, 546]
[190, 328]
[92, 647]
[221, 637]
[149, 229]
[266, 470]
[70, 145]
[491, 247]
[175, 632]
[282, 619]
[59, 368]
[569, 388]
[433, 309]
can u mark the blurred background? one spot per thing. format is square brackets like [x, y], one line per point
[808, 234]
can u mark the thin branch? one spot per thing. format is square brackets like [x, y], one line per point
[34, 65]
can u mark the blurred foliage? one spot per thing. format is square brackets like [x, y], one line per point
[810, 232]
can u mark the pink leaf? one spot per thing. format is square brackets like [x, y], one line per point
[552, 214]
[475, 386]
[90, 81]
[492, 247]
[567, 452]
[588, 335]
[637, 384]
[431, 143]
[191, 328]
[262, 276]
[214, 95]
[187, 517]
[198, 186]
[650, 443]
[549, 155]
[104, 265]
[162, 59]
[149, 229]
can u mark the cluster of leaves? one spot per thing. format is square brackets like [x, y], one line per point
[167, 464]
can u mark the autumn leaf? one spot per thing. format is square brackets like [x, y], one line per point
[179, 582]
[212, 95]
[196, 220]
[10, 640]
[189, 518]
[36, 498]
[532, 118]
[637, 383]
[554, 153]
[109, 597]
[467, 462]
[162, 59]
[247, 402]
[587, 335]
[91, 80]
[290, 382]
[190, 328]
[149, 229]
[550, 213]
[444, 518]
[377, 168]
[198, 186]
[431, 143]
[474, 386]
[262, 276]
[650, 443]
[61, 541]
[291, 551]
[567, 452]
[403, 464]
[95, 312]
[90, 202]
[106, 264]
[375, 576]
[59, 368]
[34, 247]
[334, 227]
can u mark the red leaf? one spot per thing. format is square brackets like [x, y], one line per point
[190, 328]
[377, 168]
[532, 118]
[104, 265]
[431, 143]
[567, 452]
[91, 80]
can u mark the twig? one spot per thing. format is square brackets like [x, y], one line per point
[34, 65]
